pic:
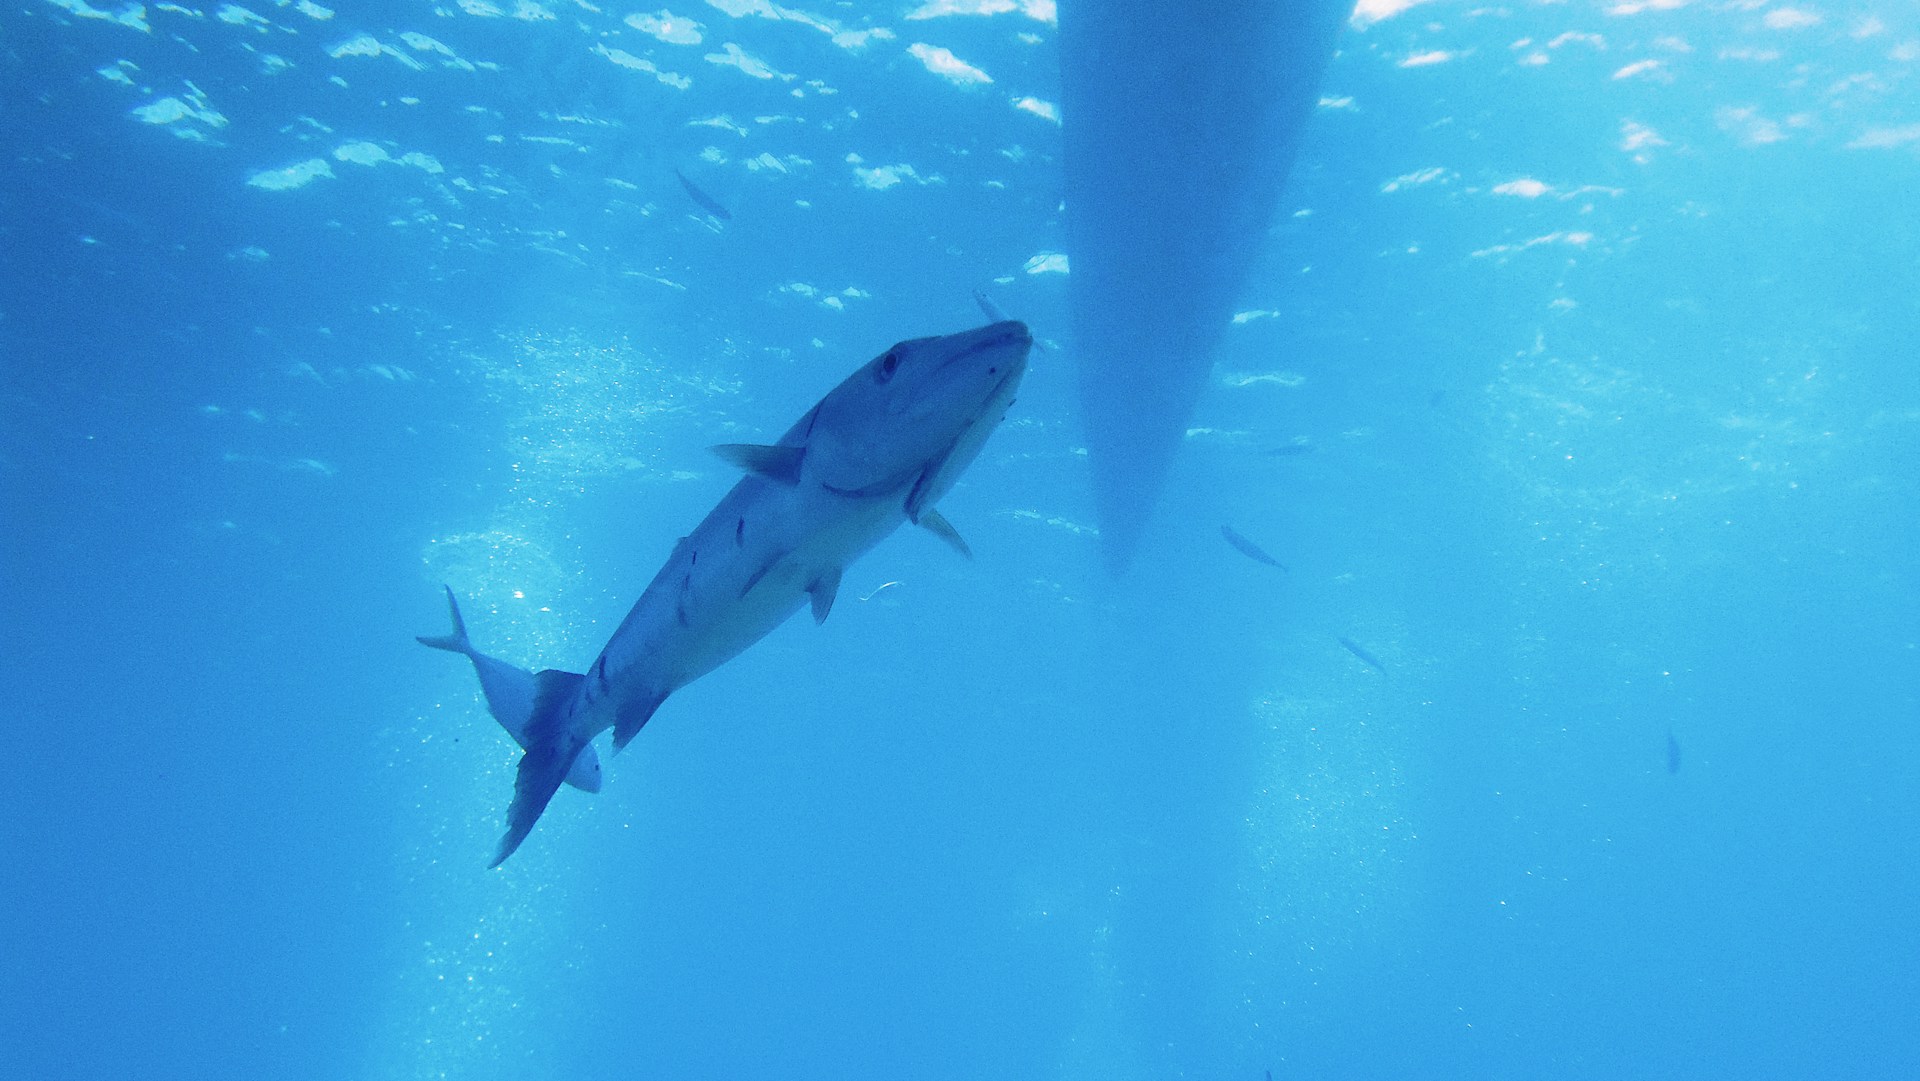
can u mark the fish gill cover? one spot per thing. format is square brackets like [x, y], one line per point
[1569, 378]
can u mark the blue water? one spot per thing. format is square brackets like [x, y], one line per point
[1594, 322]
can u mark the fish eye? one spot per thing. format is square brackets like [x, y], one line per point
[888, 364]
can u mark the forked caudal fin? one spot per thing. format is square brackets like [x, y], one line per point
[551, 748]
[512, 693]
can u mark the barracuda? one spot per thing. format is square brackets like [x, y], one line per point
[878, 451]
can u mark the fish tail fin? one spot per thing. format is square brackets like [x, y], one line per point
[457, 641]
[551, 749]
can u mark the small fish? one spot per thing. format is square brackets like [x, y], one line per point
[879, 589]
[1673, 754]
[707, 202]
[1371, 661]
[1248, 548]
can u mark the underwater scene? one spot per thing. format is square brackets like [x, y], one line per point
[960, 539]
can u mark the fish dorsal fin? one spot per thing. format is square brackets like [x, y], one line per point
[936, 523]
[823, 590]
[775, 463]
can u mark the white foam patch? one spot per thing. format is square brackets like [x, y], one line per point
[421, 43]
[767, 163]
[1526, 188]
[1637, 139]
[1046, 262]
[1641, 69]
[529, 12]
[133, 16]
[636, 63]
[1748, 125]
[943, 63]
[764, 9]
[1368, 12]
[1045, 110]
[361, 153]
[117, 72]
[1886, 138]
[736, 57]
[1790, 19]
[1570, 239]
[313, 11]
[297, 175]
[369, 46]
[723, 122]
[887, 176]
[1416, 179]
[235, 15]
[1344, 102]
[668, 27]
[1039, 10]
[180, 114]
[1573, 37]
[1429, 58]
[1637, 7]
[855, 40]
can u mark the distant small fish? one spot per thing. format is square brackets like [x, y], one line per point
[1673, 754]
[707, 202]
[877, 590]
[1371, 661]
[988, 308]
[1248, 548]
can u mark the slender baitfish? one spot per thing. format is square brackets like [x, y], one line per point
[1249, 549]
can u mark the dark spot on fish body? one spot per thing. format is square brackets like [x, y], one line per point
[740, 533]
[600, 674]
[680, 601]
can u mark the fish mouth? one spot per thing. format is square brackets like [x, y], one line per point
[1003, 336]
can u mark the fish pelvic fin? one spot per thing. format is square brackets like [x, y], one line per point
[936, 523]
[551, 750]
[823, 590]
[457, 641]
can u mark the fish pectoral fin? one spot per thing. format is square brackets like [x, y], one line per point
[779, 464]
[823, 590]
[936, 523]
[585, 772]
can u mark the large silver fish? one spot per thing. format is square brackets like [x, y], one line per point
[879, 450]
